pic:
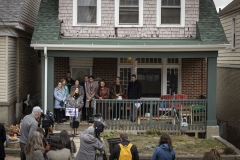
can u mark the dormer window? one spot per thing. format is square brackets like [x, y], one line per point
[86, 12]
[170, 13]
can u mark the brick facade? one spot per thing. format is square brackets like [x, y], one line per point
[105, 69]
[194, 77]
[149, 29]
[28, 73]
[61, 67]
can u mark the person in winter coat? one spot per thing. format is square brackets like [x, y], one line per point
[134, 92]
[165, 150]
[116, 152]
[60, 97]
[75, 101]
[34, 148]
[2, 140]
[89, 144]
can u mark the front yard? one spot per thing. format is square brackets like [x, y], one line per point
[183, 144]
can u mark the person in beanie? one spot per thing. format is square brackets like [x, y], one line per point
[29, 125]
[122, 150]
[89, 144]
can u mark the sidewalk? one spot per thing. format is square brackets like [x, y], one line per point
[10, 157]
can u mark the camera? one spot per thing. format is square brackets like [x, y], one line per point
[99, 124]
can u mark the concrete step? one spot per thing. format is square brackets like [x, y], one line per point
[66, 126]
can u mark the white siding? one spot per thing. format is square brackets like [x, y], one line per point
[11, 68]
[29, 12]
[3, 70]
[81, 62]
[229, 56]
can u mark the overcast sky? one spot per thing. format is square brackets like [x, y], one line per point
[221, 3]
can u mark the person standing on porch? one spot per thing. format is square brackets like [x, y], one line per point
[70, 82]
[65, 87]
[91, 91]
[117, 93]
[84, 84]
[77, 86]
[75, 101]
[103, 93]
[60, 97]
[134, 92]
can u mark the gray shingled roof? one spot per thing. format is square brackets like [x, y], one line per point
[234, 5]
[47, 29]
[10, 10]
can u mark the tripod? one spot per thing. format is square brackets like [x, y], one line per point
[174, 113]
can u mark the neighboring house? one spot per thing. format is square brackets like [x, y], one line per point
[20, 71]
[228, 73]
[151, 38]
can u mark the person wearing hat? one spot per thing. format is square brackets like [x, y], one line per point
[29, 124]
[89, 144]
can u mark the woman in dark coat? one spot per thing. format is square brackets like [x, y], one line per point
[2, 140]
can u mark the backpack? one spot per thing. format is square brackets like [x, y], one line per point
[125, 152]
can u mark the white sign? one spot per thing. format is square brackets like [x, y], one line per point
[71, 112]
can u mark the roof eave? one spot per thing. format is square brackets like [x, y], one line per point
[166, 48]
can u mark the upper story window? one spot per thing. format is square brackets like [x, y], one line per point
[233, 33]
[86, 12]
[128, 13]
[170, 13]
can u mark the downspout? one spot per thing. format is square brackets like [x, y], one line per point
[45, 81]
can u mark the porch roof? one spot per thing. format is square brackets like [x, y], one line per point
[47, 33]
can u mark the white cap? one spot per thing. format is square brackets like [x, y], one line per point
[37, 109]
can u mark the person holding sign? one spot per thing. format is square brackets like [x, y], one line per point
[74, 106]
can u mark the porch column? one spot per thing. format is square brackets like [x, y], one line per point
[211, 91]
[51, 86]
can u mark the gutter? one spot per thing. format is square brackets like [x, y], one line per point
[45, 80]
[92, 47]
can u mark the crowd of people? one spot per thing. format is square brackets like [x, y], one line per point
[72, 94]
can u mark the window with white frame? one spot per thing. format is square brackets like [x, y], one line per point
[86, 12]
[129, 13]
[233, 33]
[170, 13]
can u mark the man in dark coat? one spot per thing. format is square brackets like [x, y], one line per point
[84, 84]
[69, 81]
[124, 142]
[134, 92]
[2, 140]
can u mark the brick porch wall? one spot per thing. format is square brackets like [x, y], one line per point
[193, 73]
[61, 67]
[106, 69]
[194, 77]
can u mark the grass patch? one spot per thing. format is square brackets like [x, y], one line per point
[182, 144]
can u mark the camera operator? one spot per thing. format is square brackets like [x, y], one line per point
[89, 145]
[47, 123]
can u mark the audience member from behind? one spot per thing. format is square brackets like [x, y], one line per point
[2, 140]
[34, 148]
[29, 125]
[164, 150]
[125, 149]
[89, 144]
[212, 155]
[67, 143]
[57, 150]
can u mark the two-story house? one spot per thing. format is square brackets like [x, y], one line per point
[228, 72]
[151, 38]
[20, 66]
